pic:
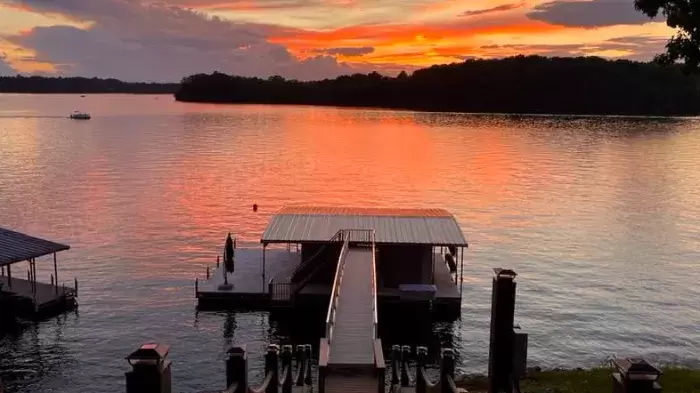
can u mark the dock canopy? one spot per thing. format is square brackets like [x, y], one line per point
[16, 247]
[299, 224]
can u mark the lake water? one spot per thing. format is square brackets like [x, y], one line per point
[600, 217]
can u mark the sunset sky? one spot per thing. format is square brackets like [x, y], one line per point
[165, 40]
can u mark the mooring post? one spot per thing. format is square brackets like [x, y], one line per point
[405, 353]
[502, 335]
[272, 367]
[447, 370]
[301, 364]
[207, 272]
[307, 352]
[421, 360]
[237, 368]
[150, 370]
[395, 363]
[286, 358]
[217, 261]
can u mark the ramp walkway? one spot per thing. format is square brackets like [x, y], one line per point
[351, 350]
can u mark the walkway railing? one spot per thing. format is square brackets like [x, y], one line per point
[332, 306]
[360, 236]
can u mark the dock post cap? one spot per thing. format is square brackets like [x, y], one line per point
[504, 273]
[273, 348]
[636, 369]
[420, 350]
[149, 351]
[237, 350]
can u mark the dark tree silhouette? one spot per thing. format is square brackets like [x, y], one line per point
[521, 84]
[683, 15]
[39, 84]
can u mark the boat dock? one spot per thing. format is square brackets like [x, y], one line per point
[29, 297]
[418, 256]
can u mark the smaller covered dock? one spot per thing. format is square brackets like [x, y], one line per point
[26, 296]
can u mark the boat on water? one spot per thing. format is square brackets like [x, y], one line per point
[80, 115]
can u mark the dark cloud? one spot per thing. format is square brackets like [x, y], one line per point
[347, 51]
[5, 68]
[135, 41]
[594, 13]
[642, 48]
[500, 8]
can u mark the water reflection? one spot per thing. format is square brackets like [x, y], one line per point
[597, 215]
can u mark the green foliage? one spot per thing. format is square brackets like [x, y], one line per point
[520, 84]
[684, 16]
[674, 380]
[597, 380]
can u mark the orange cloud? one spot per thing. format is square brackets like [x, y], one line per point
[406, 44]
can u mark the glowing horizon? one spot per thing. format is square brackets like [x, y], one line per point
[306, 39]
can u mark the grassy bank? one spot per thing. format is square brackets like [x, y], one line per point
[598, 380]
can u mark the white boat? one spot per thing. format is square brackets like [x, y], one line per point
[80, 115]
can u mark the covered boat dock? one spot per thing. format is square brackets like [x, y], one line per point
[419, 259]
[29, 297]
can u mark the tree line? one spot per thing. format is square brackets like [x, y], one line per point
[40, 84]
[520, 84]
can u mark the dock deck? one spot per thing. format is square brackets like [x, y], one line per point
[250, 288]
[249, 284]
[353, 333]
[45, 298]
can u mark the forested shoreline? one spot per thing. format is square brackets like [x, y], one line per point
[79, 85]
[520, 84]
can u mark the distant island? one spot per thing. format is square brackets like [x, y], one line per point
[520, 84]
[78, 85]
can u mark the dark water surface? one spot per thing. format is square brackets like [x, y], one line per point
[599, 216]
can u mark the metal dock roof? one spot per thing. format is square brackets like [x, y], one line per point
[16, 247]
[394, 226]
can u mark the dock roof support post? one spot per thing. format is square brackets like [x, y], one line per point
[263, 267]
[461, 273]
[55, 271]
[9, 275]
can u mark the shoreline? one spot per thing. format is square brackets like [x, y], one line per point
[674, 379]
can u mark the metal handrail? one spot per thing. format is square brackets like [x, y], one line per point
[375, 333]
[347, 235]
[330, 316]
[338, 236]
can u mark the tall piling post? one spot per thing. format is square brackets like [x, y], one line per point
[237, 369]
[502, 335]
